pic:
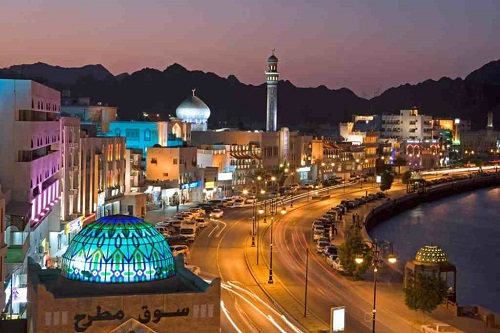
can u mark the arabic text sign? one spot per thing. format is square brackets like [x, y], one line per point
[84, 321]
[337, 319]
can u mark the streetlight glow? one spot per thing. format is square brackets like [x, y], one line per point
[283, 211]
[259, 178]
[262, 191]
[261, 211]
[245, 192]
[359, 259]
[273, 178]
[392, 259]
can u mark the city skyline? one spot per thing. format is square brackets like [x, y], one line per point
[363, 47]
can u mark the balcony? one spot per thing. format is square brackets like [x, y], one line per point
[17, 247]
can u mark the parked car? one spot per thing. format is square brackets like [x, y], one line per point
[331, 250]
[195, 269]
[201, 222]
[175, 222]
[317, 223]
[295, 186]
[217, 213]
[164, 231]
[251, 199]
[238, 202]
[307, 187]
[318, 233]
[320, 245]
[335, 263]
[438, 327]
[176, 249]
[189, 232]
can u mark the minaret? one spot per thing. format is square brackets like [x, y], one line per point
[272, 93]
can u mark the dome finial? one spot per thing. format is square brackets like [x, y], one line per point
[273, 51]
[193, 90]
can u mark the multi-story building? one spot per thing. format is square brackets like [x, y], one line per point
[216, 156]
[4, 200]
[146, 134]
[98, 114]
[135, 172]
[29, 164]
[260, 150]
[102, 170]
[408, 124]
[174, 167]
[481, 143]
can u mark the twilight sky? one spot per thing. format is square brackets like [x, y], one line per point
[364, 45]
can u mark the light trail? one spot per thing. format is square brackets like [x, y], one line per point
[226, 313]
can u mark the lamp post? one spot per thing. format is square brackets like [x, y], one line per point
[376, 247]
[270, 280]
[253, 225]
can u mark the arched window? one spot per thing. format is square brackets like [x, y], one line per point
[147, 135]
[118, 132]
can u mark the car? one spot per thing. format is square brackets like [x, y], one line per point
[307, 187]
[195, 269]
[318, 233]
[437, 327]
[251, 199]
[197, 210]
[381, 195]
[320, 245]
[201, 222]
[189, 232]
[175, 222]
[177, 249]
[331, 250]
[294, 186]
[317, 223]
[164, 231]
[217, 213]
[238, 202]
[335, 263]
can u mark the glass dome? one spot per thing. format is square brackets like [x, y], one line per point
[431, 254]
[118, 249]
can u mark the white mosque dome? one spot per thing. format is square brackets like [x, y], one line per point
[194, 110]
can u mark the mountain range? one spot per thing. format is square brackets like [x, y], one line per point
[234, 103]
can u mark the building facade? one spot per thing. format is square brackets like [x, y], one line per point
[30, 167]
[408, 124]
[99, 114]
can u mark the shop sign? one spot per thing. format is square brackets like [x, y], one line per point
[101, 197]
[209, 185]
[337, 319]
[225, 176]
[84, 321]
[74, 226]
[19, 295]
[191, 185]
[304, 169]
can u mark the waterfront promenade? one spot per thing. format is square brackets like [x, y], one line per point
[286, 291]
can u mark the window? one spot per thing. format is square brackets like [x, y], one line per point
[175, 161]
[132, 134]
[154, 161]
[147, 135]
[118, 132]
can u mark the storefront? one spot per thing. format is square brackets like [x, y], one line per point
[187, 191]
[303, 173]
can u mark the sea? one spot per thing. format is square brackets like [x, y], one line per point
[467, 227]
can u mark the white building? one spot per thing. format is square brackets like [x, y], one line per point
[81, 107]
[29, 164]
[408, 124]
[193, 110]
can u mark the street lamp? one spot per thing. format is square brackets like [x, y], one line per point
[245, 191]
[376, 249]
[262, 192]
[283, 212]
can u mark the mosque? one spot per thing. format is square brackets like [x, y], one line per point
[193, 110]
[118, 275]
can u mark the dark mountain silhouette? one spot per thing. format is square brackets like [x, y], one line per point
[237, 104]
[488, 74]
[61, 75]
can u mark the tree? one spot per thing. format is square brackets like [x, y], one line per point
[399, 162]
[405, 178]
[386, 181]
[425, 292]
[353, 246]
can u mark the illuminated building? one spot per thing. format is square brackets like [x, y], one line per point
[118, 275]
[98, 114]
[30, 165]
[193, 110]
[272, 79]
[146, 134]
[408, 124]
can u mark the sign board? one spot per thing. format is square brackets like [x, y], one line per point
[337, 319]
[378, 179]
[191, 185]
[304, 169]
[74, 226]
[225, 176]
[209, 185]
[101, 197]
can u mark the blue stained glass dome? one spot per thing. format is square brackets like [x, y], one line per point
[118, 249]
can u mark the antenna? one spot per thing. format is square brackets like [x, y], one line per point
[193, 90]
